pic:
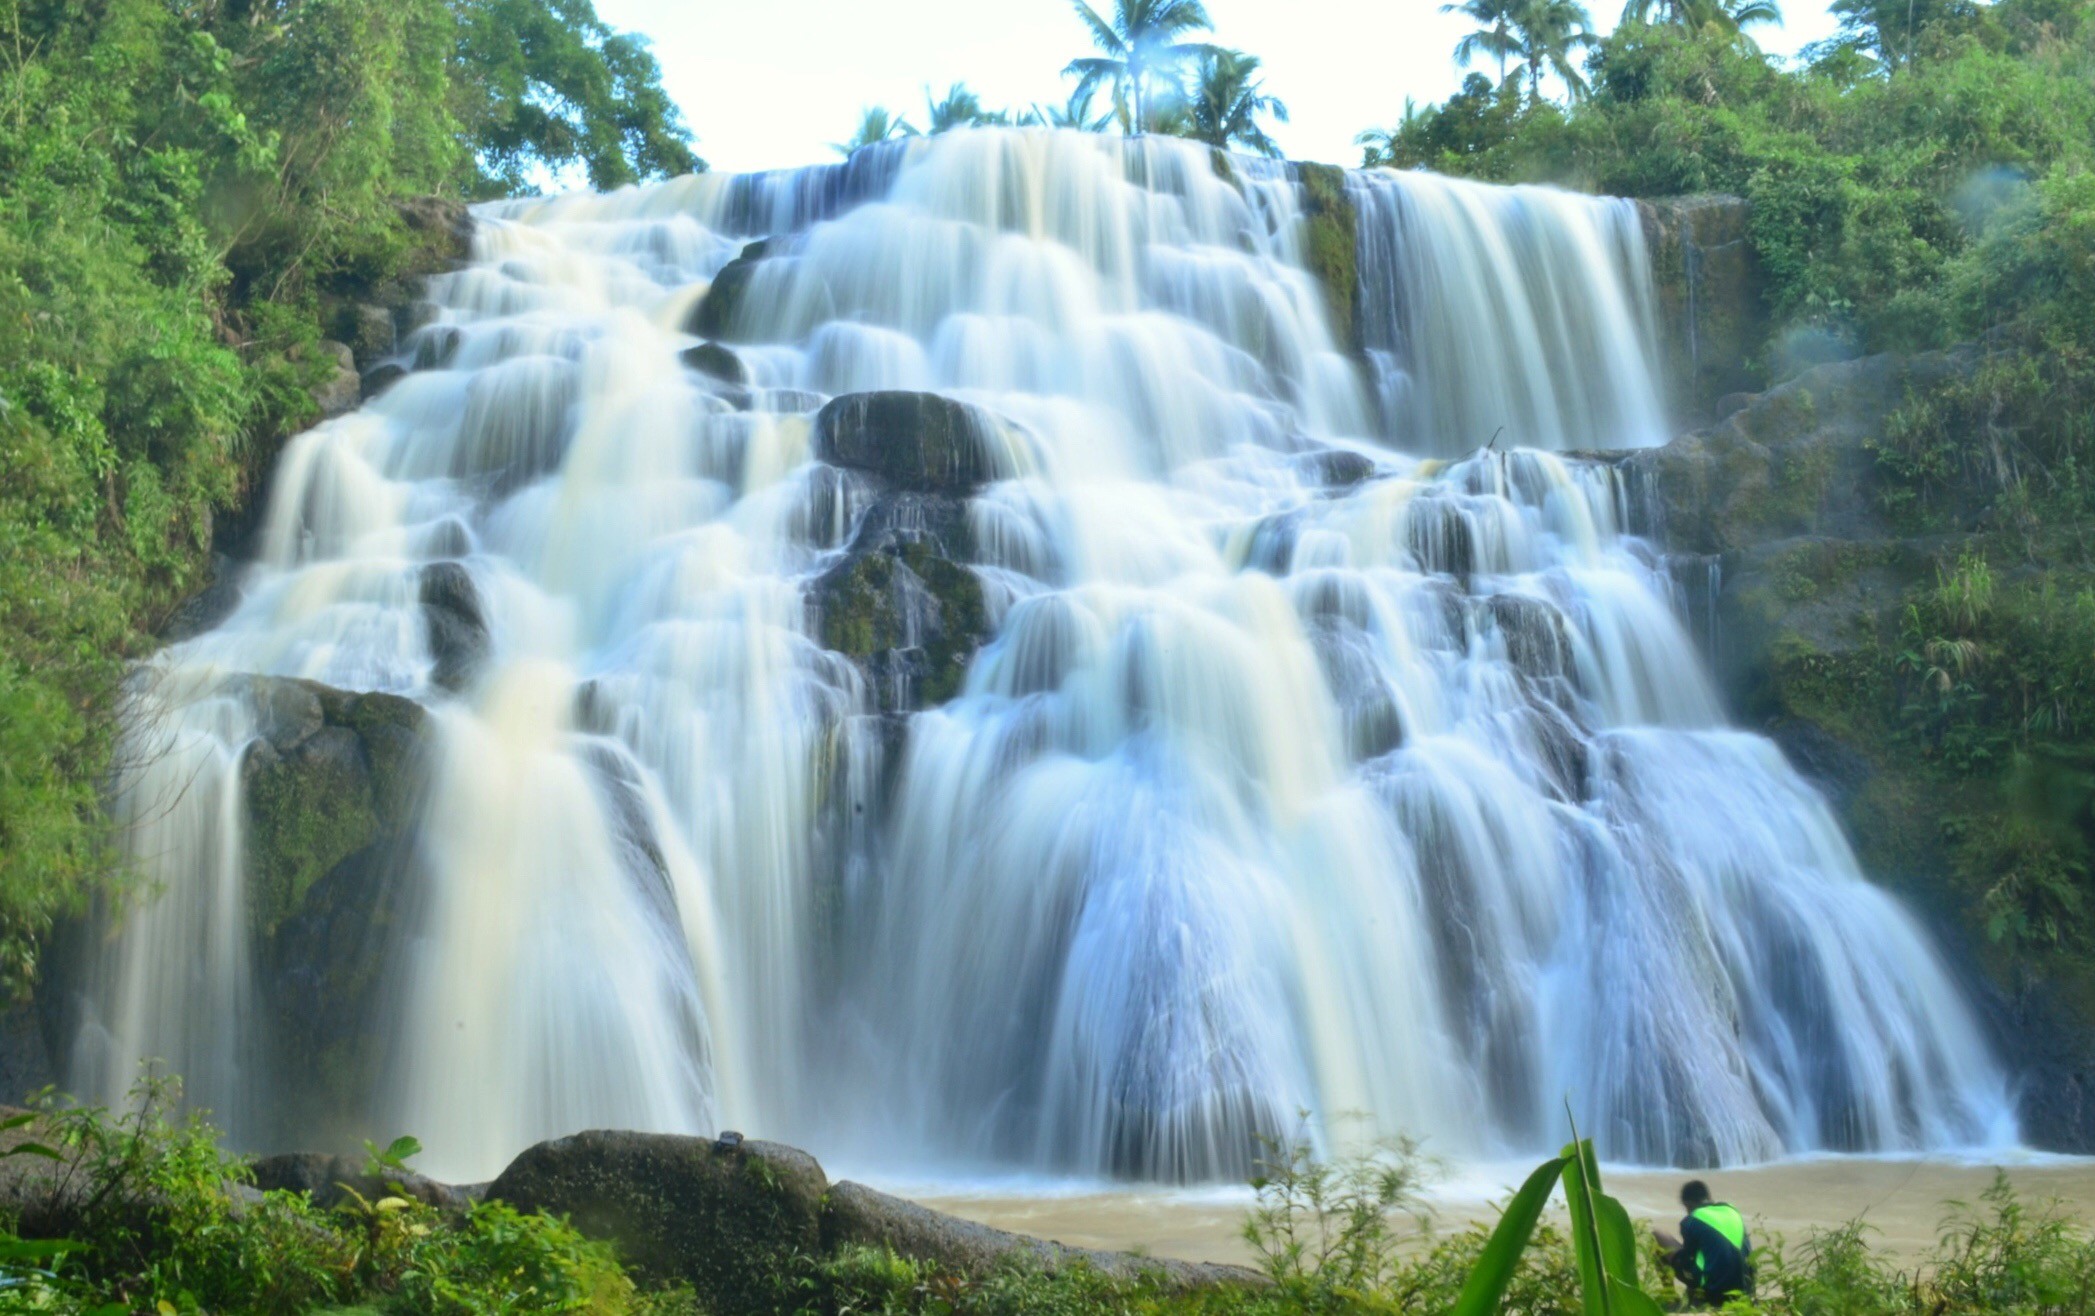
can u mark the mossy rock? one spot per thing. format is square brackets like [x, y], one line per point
[307, 811]
[1331, 247]
[730, 1218]
[911, 616]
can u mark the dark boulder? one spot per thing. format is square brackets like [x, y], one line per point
[333, 783]
[715, 362]
[920, 441]
[458, 631]
[717, 312]
[727, 1217]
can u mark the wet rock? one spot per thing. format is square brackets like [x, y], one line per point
[205, 610]
[327, 780]
[1331, 243]
[919, 441]
[910, 616]
[442, 228]
[332, 788]
[458, 631]
[716, 362]
[1337, 469]
[716, 313]
[1707, 279]
[726, 1218]
[380, 377]
[370, 333]
[344, 387]
[433, 346]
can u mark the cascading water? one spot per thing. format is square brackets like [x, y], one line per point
[1300, 773]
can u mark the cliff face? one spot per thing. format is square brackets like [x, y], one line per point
[1707, 281]
[1822, 626]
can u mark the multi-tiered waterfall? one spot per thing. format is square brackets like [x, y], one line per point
[1335, 747]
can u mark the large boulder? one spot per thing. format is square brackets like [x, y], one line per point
[1712, 318]
[333, 785]
[727, 1217]
[917, 441]
[733, 1217]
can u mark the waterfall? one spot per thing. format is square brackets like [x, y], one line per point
[1334, 748]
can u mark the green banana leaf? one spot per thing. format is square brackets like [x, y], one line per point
[1486, 1285]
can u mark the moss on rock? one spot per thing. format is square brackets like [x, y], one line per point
[1331, 246]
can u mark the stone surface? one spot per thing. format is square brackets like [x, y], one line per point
[458, 631]
[333, 787]
[723, 1218]
[917, 441]
[1712, 321]
[717, 362]
[716, 313]
[1330, 247]
[902, 603]
[344, 387]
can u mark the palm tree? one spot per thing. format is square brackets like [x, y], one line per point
[1545, 33]
[1226, 100]
[1728, 15]
[1143, 42]
[960, 109]
[875, 125]
[1493, 38]
[1073, 113]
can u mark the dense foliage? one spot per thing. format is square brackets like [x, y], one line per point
[183, 185]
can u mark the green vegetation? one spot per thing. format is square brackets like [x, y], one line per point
[189, 194]
[135, 1211]
[157, 1218]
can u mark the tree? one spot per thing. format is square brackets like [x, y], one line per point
[875, 125]
[1545, 34]
[1073, 113]
[1891, 29]
[1493, 38]
[545, 84]
[961, 108]
[1226, 100]
[1729, 15]
[1144, 43]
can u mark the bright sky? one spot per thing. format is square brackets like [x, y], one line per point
[768, 84]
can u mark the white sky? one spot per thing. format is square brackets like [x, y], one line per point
[767, 84]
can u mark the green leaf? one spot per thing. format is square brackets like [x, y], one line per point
[1486, 1285]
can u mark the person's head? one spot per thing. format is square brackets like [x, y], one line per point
[1694, 1193]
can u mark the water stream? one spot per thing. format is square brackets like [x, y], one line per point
[1338, 748]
